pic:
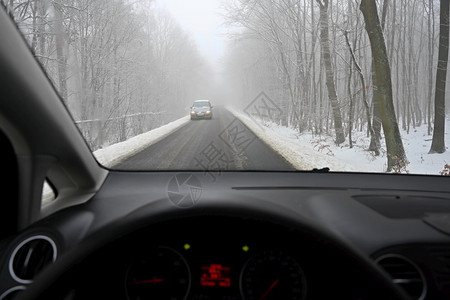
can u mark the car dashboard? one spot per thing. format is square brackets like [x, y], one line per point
[248, 235]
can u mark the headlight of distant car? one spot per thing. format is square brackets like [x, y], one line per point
[208, 112]
[192, 112]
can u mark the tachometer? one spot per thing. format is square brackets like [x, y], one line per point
[272, 275]
[161, 274]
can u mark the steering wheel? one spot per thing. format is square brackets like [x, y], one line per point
[55, 281]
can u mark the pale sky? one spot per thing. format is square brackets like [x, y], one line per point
[202, 19]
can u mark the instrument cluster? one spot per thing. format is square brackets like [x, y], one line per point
[212, 258]
[212, 271]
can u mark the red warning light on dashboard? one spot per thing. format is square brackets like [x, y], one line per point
[215, 275]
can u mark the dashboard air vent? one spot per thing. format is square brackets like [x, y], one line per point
[404, 273]
[31, 256]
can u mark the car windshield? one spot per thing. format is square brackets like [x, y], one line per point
[295, 85]
[201, 104]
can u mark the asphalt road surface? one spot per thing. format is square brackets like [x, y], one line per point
[223, 143]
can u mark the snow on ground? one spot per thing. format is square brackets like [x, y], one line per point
[114, 154]
[307, 151]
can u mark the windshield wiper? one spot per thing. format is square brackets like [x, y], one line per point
[322, 170]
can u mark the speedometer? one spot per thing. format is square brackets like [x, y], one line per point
[161, 274]
[272, 275]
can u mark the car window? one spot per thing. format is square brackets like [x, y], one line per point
[295, 85]
[48, 193]
[201, 104]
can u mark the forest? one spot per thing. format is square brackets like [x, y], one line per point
[314, 59]
[332, 67]
[121, 67]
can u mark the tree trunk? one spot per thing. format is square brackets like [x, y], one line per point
[366, 104]
[376, 119]
[351, 107]
[395, 152]
[431, 32]
[375, 139]
[325, 46]
[60, 57]
[438, 143]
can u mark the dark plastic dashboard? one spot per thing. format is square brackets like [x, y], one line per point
[243, 236]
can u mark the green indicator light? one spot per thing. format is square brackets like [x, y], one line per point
[187, 246]
[245, 248]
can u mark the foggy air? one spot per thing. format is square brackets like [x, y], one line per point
[317, 82]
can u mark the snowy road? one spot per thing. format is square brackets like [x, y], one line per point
[223, 143]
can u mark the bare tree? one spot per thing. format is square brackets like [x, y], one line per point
[438, 143]
[376, 121]
[395, 151]
[60, 43]
[429, 10]
[364, 96]
[329, 73]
